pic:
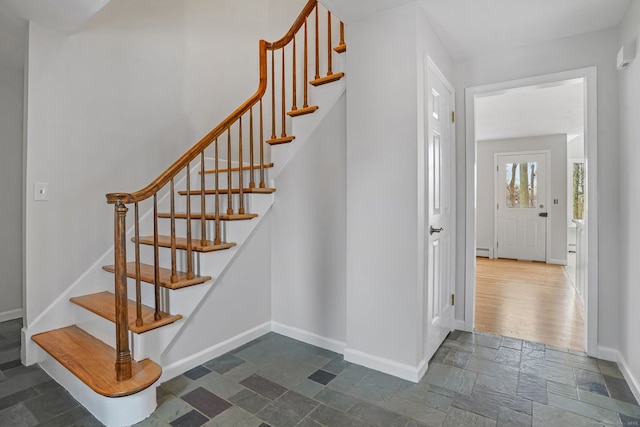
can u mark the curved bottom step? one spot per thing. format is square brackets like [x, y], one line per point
[93, 362]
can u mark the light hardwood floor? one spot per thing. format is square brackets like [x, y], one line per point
[528, 300]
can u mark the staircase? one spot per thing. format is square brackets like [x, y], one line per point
[175, 236]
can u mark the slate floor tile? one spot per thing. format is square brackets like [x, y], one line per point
[336, 365]
[510, 418]
[425, 414]
[190, 419]
[609, 368]
[235, 417]
[17, 415]
[629, 421]
[376, 416]
[171, 407]
[206, 402]
[327, 416]
[457, 358]
[590, 411]
[197, 372]
[263, 386]
[76, 417]
[335, 399]
[532, 388]
[615, 405]
[458, 417]
[322, 377]
[619, 389]
[514, 343]
[224, 363]
[287, 411]
[50, 405]
[487, 402]
[546, 416]
[250, 401]
[219, 385]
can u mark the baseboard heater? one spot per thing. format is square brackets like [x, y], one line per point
[484, 252]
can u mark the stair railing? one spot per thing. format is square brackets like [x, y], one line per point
[232, 130]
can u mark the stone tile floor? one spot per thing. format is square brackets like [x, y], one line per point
[473, 379]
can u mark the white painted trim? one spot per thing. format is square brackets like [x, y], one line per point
[11, 315]
[308, 337]
[111, 411]
[608, 353]
[183, 365]
[400, 370]
[634, 383]
[461, 326]
[557, 261]
[589, 75]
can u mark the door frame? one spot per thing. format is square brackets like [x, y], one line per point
[589, 76]
[496, 191]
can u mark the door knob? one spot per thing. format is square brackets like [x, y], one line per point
[435, 230]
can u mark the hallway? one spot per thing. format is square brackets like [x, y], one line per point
[528, 300]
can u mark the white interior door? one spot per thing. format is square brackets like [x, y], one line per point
[521, 206]
[438, 239]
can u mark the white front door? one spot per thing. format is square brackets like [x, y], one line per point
[439, 221]
[521, 206]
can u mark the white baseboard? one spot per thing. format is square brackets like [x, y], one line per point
[607, 353]
[557, 261]
[461, 326]
[633, 381]
[183, 365]
[400, 370]
[11, 315]
[308, 337]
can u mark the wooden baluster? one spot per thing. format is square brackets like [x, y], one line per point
[139, 321]
[317, 45]
[123, 353]
[273, 95]
[174, 269]
[240, 169]
[293, 76]
[342, 47]
[190, 274]
[252, 183]
[262, 183]
[284, 108]
[329, 51]
[217, 239]
[156, 258]
[306, 66]
[229, 177]
[203, 202]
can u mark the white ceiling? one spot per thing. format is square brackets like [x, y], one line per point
[534, 111]
[470, 28]
[66, 16]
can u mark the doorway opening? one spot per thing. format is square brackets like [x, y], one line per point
[569, 214]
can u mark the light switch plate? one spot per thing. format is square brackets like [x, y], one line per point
[41, 191]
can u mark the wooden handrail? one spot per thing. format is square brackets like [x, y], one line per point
[195, 151]
[123, 363]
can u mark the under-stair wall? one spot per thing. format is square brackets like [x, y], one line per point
[109, 108]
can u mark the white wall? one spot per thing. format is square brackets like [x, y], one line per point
[309, 233]
[485, 208]
[112, 106]
[599, 49]
[11, 100]
[384, 286]
[629, 177]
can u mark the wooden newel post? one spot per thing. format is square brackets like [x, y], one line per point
[123, 354]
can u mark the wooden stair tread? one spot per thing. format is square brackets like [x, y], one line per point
[281, 140]
[225, 191]
[211, 217]
[197, 245]
[93, 362]
[147, 274]
[244, 168]
[104, 305]
[304, 110]
[327, 79]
